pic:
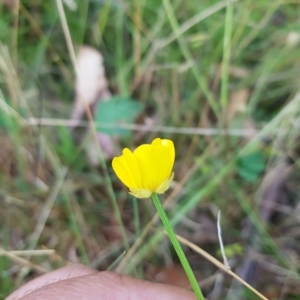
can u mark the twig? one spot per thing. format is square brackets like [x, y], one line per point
[22, 261]
[225, 260]
[218, 264]
[43, 217]
[29, 252]
[145, 128]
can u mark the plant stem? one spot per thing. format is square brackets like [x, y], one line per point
[176, 245]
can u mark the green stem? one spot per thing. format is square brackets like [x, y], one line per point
[176, 245]
[136, 219]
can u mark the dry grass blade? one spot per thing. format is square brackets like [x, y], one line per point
[46, 211]
[219, 265]
[196, 19]
[144, 128]
[29, 252]
[22, 261]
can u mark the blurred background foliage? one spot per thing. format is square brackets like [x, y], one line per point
[219, 78]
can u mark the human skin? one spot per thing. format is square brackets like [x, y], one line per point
[80, 282]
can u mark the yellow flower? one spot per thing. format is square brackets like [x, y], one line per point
[148, 169]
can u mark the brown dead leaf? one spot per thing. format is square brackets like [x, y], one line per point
[91, 86]
[173, 275]
[293, 38]
[238, 72]
[109, 147]
[6, 155]
[10, 3]
[71, 4]
[72, 255]
[111, 229]
[112, 233]
[237, 103]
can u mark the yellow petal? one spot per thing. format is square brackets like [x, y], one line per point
[143, 158]
[155, 164]
[156, 142]
[140, 193]
[165, 185]
[148, 169]
[170, 145]
[127, 169]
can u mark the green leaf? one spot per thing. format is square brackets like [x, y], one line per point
[231, 250]
[117, 110]
[250, 166]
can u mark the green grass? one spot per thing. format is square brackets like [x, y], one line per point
[184, 62]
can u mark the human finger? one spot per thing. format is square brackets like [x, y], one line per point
[67, 272]
[108, 286]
